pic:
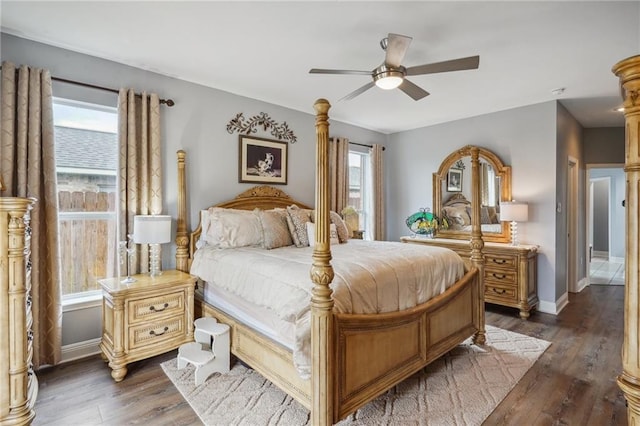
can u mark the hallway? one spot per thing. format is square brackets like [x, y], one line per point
[605, 272]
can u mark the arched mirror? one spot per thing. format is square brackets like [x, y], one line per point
[453, 187]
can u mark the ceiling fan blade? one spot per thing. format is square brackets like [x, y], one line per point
[412, 90]
[469, 63]
[324, 71]
[358, 91]
[397, 46]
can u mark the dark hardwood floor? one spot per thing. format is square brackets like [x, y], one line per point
[573, 382]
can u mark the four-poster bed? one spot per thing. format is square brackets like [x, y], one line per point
[354, 356]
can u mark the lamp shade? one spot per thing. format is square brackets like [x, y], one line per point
[153, 229]
[514, 211]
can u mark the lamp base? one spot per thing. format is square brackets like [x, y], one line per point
[154, 260]
[514, 233]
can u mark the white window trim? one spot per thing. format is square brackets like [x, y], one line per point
[84, 300]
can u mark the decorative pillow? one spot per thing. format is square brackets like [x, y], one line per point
[341, 227]
[297, 219]
[231, 228]
[311, 233]
[204, 225]
[458, 215]
[275, 229]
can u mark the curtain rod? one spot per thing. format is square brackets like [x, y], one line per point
[168, 102]
[362, 144]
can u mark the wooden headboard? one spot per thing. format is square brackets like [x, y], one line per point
[263, 197]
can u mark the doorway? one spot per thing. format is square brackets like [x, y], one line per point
[606, 225]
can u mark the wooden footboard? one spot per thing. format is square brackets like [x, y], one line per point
[372, 353]
[376, 352]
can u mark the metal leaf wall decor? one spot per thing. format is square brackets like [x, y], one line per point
[248, 126]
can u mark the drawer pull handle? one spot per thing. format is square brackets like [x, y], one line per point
[499, 261]
[499, 276]
[153, 308]
[499, 291]
[153, 333]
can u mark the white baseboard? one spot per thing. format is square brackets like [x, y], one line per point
[582, 284]
[553, 308]
[616, 259]
[80, 350]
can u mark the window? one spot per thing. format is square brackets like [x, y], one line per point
[360, 189]
[86, 165]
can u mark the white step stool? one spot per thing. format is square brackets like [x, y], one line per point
[210, 352]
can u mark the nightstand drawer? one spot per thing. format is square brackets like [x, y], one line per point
[501, 261]
[500, 277]
[156, 333]
[496, 292]
[150, 308]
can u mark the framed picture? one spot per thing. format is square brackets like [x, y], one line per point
[262, 161]
[454, 180]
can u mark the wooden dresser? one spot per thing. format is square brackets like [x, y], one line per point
[147, 317]
[510, 272]
[18, 383]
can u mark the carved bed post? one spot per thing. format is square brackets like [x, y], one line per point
[477, 259]
[628, 71]
[182, 237]
[322, 368]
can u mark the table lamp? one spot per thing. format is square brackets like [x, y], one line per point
[153, 230]
[514, 212]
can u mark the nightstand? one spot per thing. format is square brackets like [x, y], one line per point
[145, 318]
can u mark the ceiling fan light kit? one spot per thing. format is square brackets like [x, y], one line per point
[391, 74]
[386, 78]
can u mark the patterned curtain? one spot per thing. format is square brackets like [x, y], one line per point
[338, 174]
[377, 177]
[139, 165]
[28, 169]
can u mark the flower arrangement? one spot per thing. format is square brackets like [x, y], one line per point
[424, 222]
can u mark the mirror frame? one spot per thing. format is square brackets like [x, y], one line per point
[440, 177]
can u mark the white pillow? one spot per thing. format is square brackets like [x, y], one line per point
[311, 233]
[204, 226]
[231, 228]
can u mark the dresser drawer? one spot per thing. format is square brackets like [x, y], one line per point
[152, 308]
[500, 261]
[157, 332]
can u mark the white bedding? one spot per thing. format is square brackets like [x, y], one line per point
[370, 277]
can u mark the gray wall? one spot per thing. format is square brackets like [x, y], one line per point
[604, 145]
[524, 138]
[601, 215]
[569, 144]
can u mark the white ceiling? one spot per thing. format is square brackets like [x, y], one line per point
[264, 50]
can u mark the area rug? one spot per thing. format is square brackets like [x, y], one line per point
[461, 388]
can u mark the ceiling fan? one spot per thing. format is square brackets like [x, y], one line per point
[392, 74]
